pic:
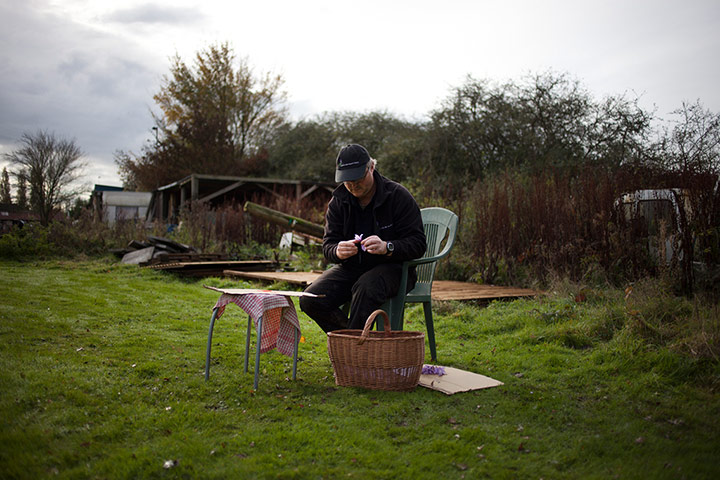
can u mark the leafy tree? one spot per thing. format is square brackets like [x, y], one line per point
[395, 142]
[50, 165]
[547, 121]
[217, 117]
[21, 195]
[307, 150]
[5, 187]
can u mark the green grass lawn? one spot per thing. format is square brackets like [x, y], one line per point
[102, 376]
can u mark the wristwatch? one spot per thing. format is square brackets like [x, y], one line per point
[390, 248]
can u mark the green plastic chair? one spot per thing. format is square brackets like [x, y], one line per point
[439, 223]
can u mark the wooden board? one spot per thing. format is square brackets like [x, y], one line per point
[220, 263]
[213, 269]
[450, 290]
[302, 279]
[247, 291]
[442, 289]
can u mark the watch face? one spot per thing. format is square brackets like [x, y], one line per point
[390, 246]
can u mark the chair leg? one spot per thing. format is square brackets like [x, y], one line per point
[397, 313]
[379, 322]
[209, 344]
[427, 308]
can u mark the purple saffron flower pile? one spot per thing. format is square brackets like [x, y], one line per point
[433, 370]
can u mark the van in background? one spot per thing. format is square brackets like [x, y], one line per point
[658, 214]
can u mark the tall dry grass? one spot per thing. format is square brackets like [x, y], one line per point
[519, 228]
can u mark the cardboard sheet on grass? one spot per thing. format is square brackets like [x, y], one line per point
[456, 380]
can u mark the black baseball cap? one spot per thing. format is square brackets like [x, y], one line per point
[351, 163]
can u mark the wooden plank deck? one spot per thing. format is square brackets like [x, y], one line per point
[302, 279]
[213, 268]
[442, 289]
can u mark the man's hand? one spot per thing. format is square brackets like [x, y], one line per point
[375, 245]
[346, 249]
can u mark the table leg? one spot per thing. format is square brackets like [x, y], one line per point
[209, 344]
[257, 350]
[247, 343]
[295, 353]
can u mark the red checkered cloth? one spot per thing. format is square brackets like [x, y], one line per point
[280, 321]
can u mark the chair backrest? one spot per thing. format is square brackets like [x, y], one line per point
[439, 224]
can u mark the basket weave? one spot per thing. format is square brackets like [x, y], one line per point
[377, 360]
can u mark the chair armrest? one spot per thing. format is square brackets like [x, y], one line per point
[418, 261]
[421, 261]
[434, 258]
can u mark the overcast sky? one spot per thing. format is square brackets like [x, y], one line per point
[87, 69]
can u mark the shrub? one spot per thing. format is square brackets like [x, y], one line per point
[71, 237]
[29, 241]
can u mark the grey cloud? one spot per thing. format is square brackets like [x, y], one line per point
[75, 81]
[106, 76]
[155, 14]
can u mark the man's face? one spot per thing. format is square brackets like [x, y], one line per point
[360, 188]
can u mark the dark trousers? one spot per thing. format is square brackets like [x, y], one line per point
[365, 290]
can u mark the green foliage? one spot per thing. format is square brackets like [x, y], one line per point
[545, 121]
[307, 150]
[305, 259]
[28, 242]
[654, 313]
[83, 236]
[21, 195]
[222, 230]
[250, 250]
[5, 193]
[102, 376]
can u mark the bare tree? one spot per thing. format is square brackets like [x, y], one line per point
[693, 144]
[50, 166]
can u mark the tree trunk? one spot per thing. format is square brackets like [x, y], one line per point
[280, 218]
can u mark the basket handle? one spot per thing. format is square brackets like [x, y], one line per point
[369, 323]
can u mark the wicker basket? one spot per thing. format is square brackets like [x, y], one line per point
[377, 360]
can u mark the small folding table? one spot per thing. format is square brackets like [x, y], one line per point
[276, 322]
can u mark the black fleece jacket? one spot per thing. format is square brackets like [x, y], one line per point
[396, 218]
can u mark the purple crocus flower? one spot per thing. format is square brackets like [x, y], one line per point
[358, 238]
[433, 370]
